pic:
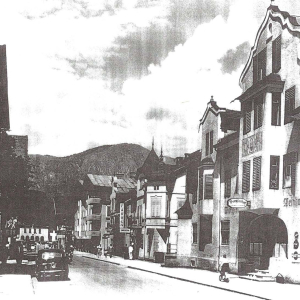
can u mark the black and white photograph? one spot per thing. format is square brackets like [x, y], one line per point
[149, 149]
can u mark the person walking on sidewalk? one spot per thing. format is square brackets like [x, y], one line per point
[130, 251]
[99, 250]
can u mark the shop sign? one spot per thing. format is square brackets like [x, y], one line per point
[237, 203]
[252, 144]
[124, 230]
[291, 202]
[121, 215]
[296, 255]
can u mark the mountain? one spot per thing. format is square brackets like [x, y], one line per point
[54, 179]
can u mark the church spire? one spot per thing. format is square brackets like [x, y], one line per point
[161, 157]
[153, 143]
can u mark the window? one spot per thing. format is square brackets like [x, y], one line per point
[289, 104]
[256, 249]
[195, 234]
[208, 192]
[194, 197]
[256, 173]
[247, 107]
[156, 187]
[276, 55]
[258, 112]
[276, 109]
[259, 66]
[24, 230]
[225, 229]
[289, 170]
[155, 206]
[274, 172]
[227, 192]
[211, 139]
[201, 187]
[205, 234]
[246, 177]
[34, 230]
[209, 146]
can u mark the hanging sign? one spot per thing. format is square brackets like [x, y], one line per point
[237, 203]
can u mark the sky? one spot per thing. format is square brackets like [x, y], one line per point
[86, 73]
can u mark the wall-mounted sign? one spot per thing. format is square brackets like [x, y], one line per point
[291, 202]
[121, 215]
[252, 144]
[238, 203]
[125, 230]
[296, 255]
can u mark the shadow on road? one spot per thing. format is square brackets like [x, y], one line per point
[14, 268]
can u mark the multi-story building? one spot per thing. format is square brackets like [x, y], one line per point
[92, 216]
[123, 208]
[34, 233]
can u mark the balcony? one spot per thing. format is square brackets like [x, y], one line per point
[93, 233]
[93, 217]
[93, 201]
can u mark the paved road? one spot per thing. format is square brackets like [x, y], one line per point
[91, 278]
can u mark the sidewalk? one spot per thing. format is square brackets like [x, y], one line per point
[13, 286]
[261, 290]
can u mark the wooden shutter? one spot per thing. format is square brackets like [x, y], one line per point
[227, 192]
[258, 112]
[256, 173]
[211, 142]
[262, 64]
[247, 117]
[291, 159]
[246, 177]
[276, 109]
[289, 103]
[201, 187]
[255, 69]
[207, 144]
[276, 54]
[208, 189]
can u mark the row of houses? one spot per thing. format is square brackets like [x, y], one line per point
[234, 200]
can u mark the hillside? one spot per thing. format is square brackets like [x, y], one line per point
[54, 179]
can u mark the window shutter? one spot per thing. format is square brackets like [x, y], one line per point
[258, 112]
[289, 103]
[247, 117]
[207, 144]
[208, 189]
[262, 62]
[246, 177]
[255, 69]
[211, 142]
[256, 173]
[276, 109]
[276, 54]
[201, 187]
[227, 192]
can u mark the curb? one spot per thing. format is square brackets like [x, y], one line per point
[181, 279]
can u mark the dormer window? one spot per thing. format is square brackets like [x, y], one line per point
[276, 55]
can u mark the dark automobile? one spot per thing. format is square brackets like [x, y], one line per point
[53, 264]
[30, 251]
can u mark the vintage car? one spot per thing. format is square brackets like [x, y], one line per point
[52, 264]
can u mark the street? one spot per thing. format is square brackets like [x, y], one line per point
[90, 277]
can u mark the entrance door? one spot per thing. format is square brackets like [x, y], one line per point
[265, 232]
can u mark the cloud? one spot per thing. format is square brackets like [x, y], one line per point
[158, 114]
[234, 58]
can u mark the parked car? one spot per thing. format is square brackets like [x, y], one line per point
[30, 251]
[53, 264]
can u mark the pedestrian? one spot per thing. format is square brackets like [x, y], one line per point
[99, 250]
[110, 250]
[130, 251]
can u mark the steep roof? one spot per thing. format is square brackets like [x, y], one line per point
[100, 180]
[284, 18]
[124, 185]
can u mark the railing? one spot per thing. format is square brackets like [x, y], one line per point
[93, 217]
[93, 201]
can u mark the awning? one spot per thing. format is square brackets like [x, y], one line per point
[262, 211]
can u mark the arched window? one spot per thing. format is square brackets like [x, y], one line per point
[22, 237]
[37, 239]
[42, 239]
[32, 238]
[27, 238]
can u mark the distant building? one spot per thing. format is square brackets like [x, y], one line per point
[34, 233]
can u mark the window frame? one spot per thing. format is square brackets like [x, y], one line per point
[276, 109]
[289, 105]
[156, 207]
[275, 169]
[225, 230]
[246, 176]
[227, 183]
[195, 233]
[276, 54]
[256, 176]
[208, 191]
[247, 116]
[258, 112]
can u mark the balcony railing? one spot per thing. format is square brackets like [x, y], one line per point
[93, 217]
[93, 233]
[93, 201]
